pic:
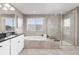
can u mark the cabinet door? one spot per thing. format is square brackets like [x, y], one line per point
[5, 48]
[20, 43]
[17, 45]
[14, 46]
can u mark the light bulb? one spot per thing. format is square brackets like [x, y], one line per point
[4, 8]
[7, 5]
[0, 6]
[12, 8]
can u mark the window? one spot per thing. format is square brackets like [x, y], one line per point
[67, 22]
[35, 24]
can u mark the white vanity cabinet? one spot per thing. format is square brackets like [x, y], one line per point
[13, 46]
[17, 44]
[5, 48]
[20, 43]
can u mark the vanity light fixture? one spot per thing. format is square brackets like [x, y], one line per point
[7, 5]
[0, 6]
[12, 8]
[4, 8]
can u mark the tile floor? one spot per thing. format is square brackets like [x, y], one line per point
[64, 50]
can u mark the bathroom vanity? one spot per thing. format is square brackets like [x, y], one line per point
[12, 45]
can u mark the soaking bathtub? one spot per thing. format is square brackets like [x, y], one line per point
[36, 38]
[40, 42]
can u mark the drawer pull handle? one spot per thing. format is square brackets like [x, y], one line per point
[18, 41]
[0, 46]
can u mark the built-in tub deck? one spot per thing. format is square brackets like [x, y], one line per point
[39, 42]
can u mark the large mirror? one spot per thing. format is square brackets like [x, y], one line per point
[7, 16]
[9, 24]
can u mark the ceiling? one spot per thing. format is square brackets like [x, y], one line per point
[44, 8]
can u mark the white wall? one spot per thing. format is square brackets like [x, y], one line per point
[54, 26]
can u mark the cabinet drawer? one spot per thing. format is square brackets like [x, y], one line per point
[5, 48]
